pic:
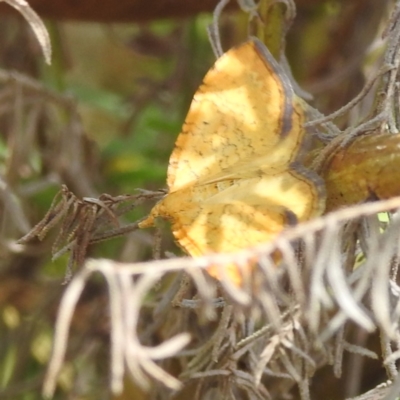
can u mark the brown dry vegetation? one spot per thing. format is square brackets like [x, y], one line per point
[103, 119]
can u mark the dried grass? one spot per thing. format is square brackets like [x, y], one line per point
[171, 326]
